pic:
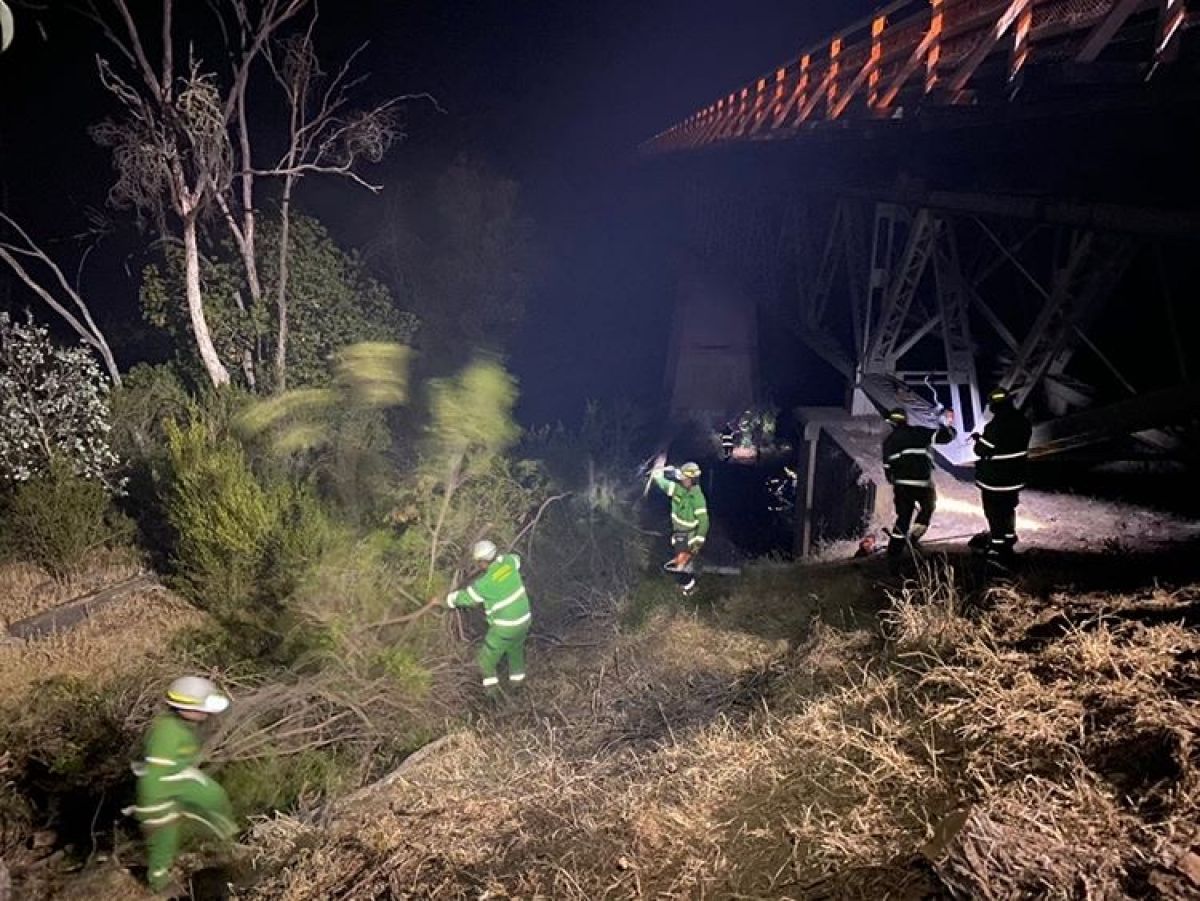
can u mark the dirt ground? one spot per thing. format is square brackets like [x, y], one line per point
[839, 732]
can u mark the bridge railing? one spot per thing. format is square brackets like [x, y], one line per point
[913, 52]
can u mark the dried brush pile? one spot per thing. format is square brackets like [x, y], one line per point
[1037, 748]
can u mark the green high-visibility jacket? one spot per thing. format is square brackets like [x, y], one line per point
[689, 510]
[501, 593]
[170, 774]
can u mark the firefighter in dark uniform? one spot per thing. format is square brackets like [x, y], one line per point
[908, 465]
[1002, 450]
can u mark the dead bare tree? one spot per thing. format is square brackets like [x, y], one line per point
[325, 137]
[184, 143]
[173, 148]
[253, 35]
[169, 148]
[73, 310]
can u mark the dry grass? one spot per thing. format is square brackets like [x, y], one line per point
[1015, 755]
[927, 615]
[26, 590]
[117, 638]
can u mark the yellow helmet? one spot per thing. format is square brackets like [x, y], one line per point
[690, 470]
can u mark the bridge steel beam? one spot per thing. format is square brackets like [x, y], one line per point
[954, 316]
[902, 288]
[887, 301]
[898, 314]
[1085, 279]
[1100, 217]
[1106, 29]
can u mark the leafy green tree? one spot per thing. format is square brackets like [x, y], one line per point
[333, 303]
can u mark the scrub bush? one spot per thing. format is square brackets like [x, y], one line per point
[56, 518]
[284, 782]
[241, 547]
[148, 398]
[222, 517]
[70, 742]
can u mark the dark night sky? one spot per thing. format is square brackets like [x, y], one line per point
[555, 94]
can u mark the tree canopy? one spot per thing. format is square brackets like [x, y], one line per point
[333, 302]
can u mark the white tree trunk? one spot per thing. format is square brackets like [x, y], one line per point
[281, 298]
[208, 352]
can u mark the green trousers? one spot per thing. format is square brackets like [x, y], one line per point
[498, 644]
[165, 809]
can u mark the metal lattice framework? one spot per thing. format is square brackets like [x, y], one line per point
[954, 293]
[1018, 313]
[913, 55]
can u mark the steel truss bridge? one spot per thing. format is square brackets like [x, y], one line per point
[1058, 267]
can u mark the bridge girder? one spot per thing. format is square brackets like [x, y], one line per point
[956, 296]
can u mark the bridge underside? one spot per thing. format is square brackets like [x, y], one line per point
[953, 194]
[959, 266]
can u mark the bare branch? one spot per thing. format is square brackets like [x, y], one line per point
[168, 66]
[23, 274]
[314, 169]
[136, 50]
[87, 330]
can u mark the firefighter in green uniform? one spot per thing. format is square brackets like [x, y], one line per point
[689, 518]
[171, 790]
[501, 593]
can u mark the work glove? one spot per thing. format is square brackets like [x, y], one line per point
[695, 545]
[671, 472]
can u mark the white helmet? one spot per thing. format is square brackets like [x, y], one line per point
[196, 693]
[483, 551]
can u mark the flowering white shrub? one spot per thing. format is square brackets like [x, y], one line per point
[53, 403]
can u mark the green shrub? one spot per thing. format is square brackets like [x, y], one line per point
[403, 667]
[242, 544]
[70, 744]
[57, 517]
[266, 784]
[223, 519]
[148, 398]
[299, 535]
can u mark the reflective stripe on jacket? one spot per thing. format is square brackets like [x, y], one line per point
[501, 593]
[907, 453]
[172, 757]
[689, 509]
[1002, 450]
